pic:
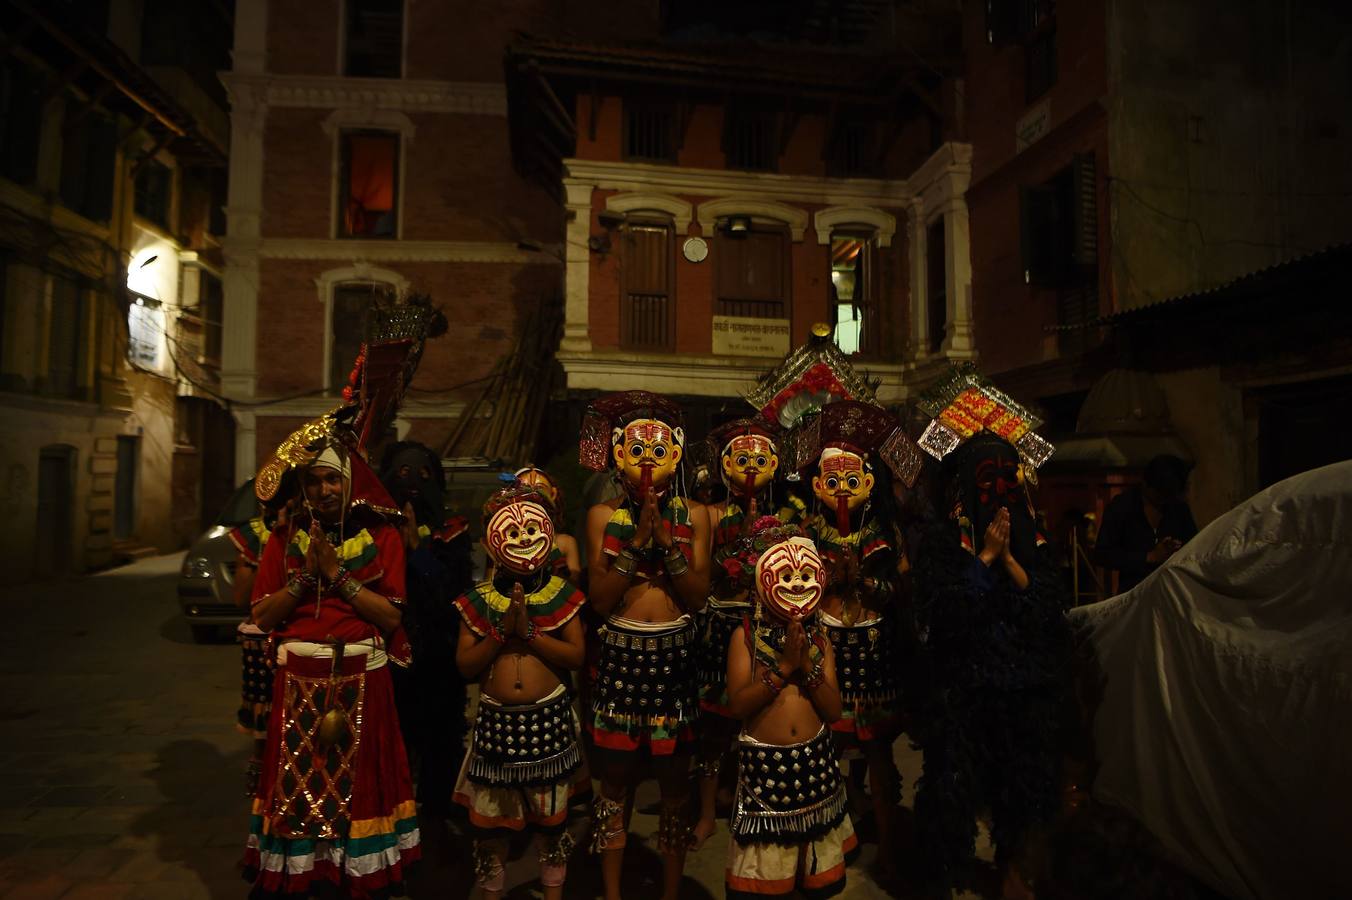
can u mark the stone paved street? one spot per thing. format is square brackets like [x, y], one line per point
[121, 774]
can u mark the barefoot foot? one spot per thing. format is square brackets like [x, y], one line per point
[702, 831]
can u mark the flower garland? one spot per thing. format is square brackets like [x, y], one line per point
[354, 378]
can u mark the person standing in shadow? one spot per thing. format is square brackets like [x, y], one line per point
[1146, 524]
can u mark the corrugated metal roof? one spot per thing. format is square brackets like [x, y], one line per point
[1327, 267]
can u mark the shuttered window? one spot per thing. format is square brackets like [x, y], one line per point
[751, 139]
[374, 34]
[649, 131]
[153, 191]
[65, 346]
[88, 161]
[351, 307]
[648, 308]
[20, 121]
[753, 273]
[853, 152]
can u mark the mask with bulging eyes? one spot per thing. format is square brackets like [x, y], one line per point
[749, 463]
[842, 484]
[519, 537]
[646, 452]
[789, 578]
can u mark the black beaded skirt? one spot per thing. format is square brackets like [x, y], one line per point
[789, 794]
[647, 677]
[255, 684]
[720, 622]
[520, 746]
[865, 667]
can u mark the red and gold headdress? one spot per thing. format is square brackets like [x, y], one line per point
[608, 414]
[817, 394]
[384, 367]
[809, 378]
[965, 403]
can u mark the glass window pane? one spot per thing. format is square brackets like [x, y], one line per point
[851, 292]
[849, 325]
[370, 184]
[375, 38]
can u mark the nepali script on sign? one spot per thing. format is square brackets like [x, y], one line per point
[742, 336]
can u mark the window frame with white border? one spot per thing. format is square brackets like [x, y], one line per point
[327, 282]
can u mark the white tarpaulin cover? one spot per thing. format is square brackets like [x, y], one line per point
[1226, 723]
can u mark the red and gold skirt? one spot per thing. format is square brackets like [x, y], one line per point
[341, 816]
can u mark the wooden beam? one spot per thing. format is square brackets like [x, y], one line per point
[595, 111]
[88, 105]
[684, 111]
[57, 83]
[9, 41]
[139, 125]
[160, 144]
[924, 95]
[554, 111]
[74, 47]
[890, 135]
[832, 123]
[788, 123]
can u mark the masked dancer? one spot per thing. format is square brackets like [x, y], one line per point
[748, 459]
[522, 637]
[852, 527]
[564, 558]
[790, 830]
[648, 560]
[429, 692]
[989, 603]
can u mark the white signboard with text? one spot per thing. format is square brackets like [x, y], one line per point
[1033, 125]
[742, 336]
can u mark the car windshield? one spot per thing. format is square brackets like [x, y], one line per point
[241, 507]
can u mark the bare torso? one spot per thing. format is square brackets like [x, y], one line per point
[789, 719]
[652, 600]
[517, 665]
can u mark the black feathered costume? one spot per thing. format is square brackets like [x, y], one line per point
[430, 694]
[994, 668]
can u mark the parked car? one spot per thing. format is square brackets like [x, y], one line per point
[206, 581]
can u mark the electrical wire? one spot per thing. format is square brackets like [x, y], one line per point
[1197, 226]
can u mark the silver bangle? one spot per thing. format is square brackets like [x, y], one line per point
[677, 564]
[350, 588]
[626, 563]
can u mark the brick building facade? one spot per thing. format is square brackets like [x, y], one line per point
[1125, 154]
[370, 159]
[727, 190]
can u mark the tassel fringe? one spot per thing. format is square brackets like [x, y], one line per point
[527, 772]
[795, 826]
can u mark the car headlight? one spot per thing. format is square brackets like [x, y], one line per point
[196, 567]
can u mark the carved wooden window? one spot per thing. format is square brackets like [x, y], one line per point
[648, 304]
[374, 38]
[753, 273]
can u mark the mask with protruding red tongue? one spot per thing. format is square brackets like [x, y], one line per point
[645, 482]
[843, 516]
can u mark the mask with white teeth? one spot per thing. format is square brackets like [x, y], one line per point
[789, 579]
[520, 536]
